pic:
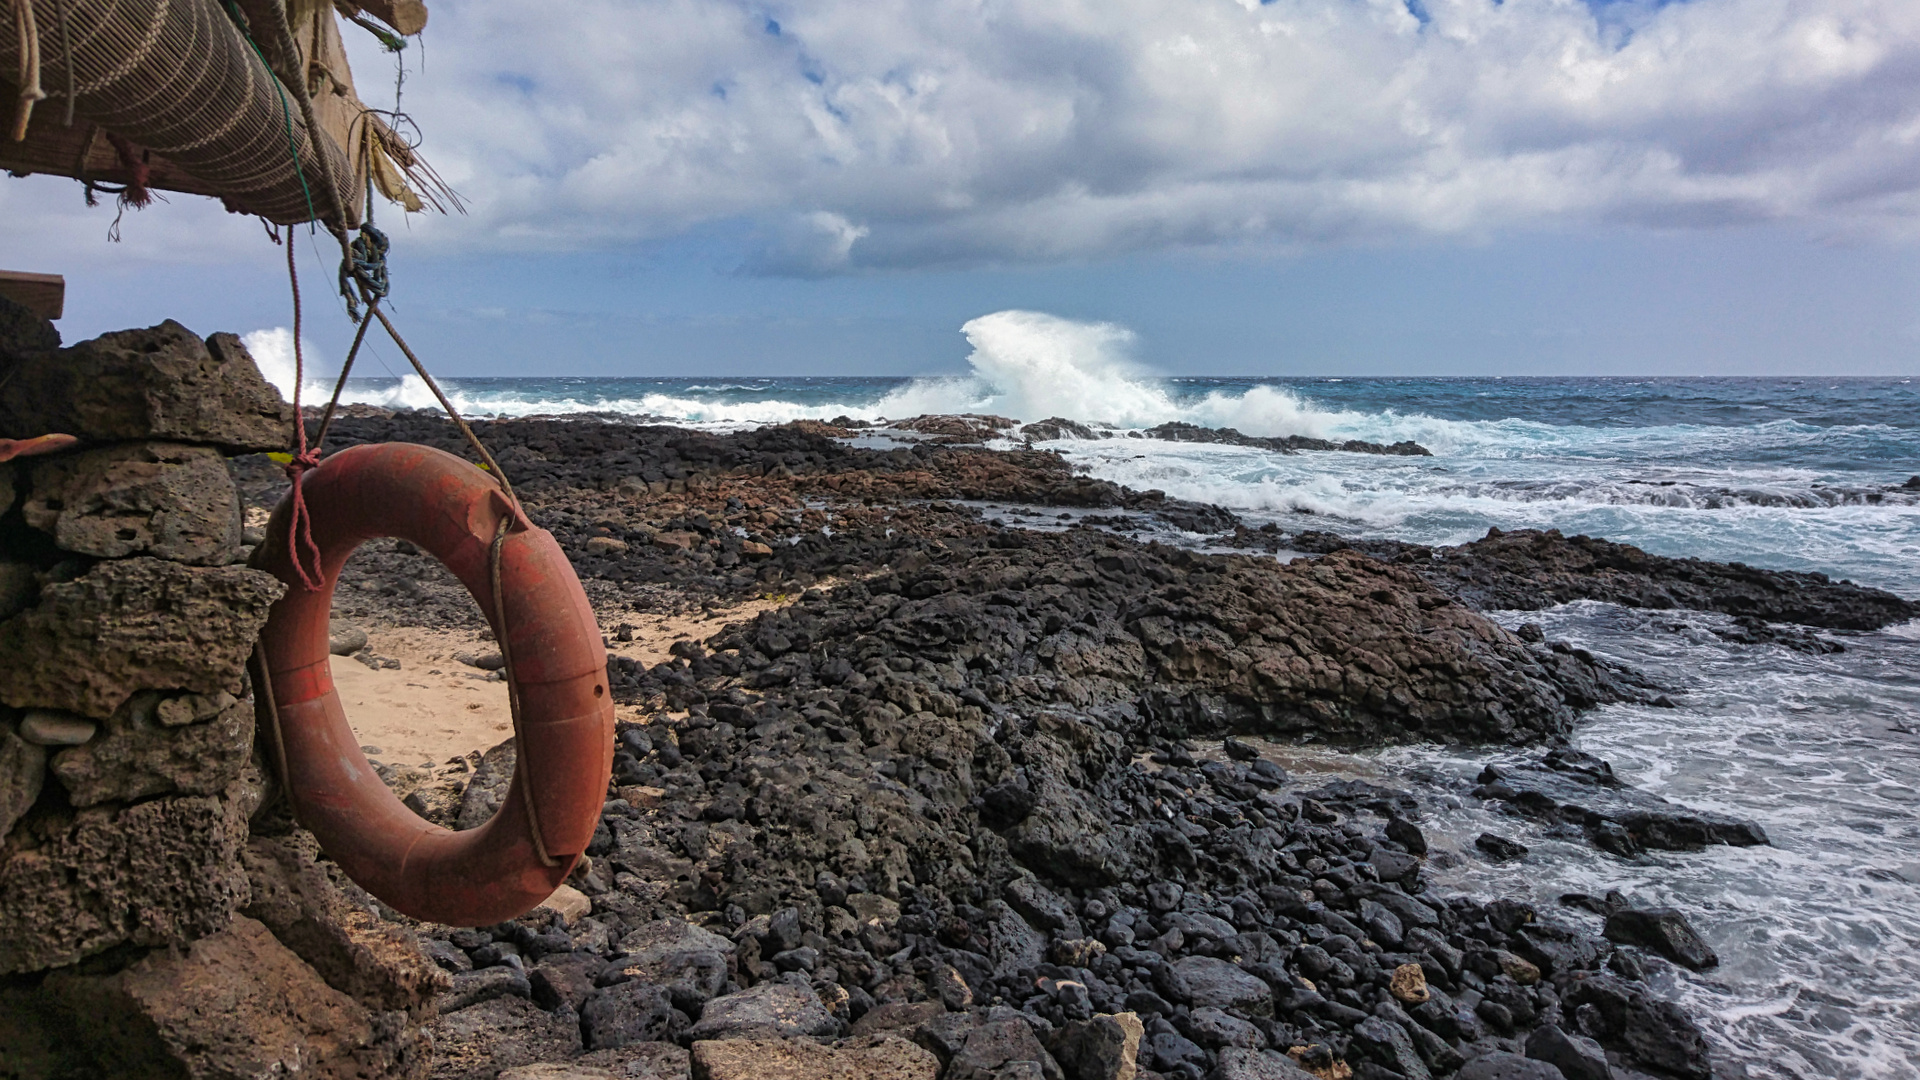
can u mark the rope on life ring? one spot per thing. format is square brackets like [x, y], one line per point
[556, 670]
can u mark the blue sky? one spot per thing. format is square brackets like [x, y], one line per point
[1305, 186]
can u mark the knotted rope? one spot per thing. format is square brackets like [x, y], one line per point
[300, 523]
[365, 266]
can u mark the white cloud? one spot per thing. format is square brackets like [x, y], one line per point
[877, 133]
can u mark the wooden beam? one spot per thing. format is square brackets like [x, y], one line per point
[43, 294]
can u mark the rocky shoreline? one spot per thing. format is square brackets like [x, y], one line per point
[992, 785]
[999, 795]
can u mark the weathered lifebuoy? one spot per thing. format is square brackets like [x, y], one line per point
[557, 665]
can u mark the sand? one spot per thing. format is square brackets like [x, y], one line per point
[434, 707]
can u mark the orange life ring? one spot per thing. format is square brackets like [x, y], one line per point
[557, 665]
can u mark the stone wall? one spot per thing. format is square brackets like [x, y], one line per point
[145, 930]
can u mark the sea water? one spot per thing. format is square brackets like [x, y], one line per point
[1819, 933]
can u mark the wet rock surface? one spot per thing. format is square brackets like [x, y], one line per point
[1289, 444]
[1580, 790]
[1529, 569]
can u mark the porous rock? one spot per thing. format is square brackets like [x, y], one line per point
[990, 1047]
[641, 1061]
[1107, 1047]
[160, 872]
[1622, 1016]
[377, 963]
[1575, 788]
[146, 498]
[136, 755]
[769, 1010]
[692, 963]
[234, 1003]
[23, 770]
[883, 1057]
[1242, 1063]
[627, 1013]
[479, 1043]
[162, 382]
[1529, 569]
[553, 1070]
[134, 624]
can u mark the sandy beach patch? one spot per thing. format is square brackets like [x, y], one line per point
[434, 707]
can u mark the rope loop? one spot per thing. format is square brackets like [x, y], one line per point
[301, 549]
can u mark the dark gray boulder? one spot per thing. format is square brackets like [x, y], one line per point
[1665, 931]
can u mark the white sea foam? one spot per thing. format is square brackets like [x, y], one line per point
[272, 351]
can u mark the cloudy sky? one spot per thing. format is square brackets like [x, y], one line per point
[704, 186]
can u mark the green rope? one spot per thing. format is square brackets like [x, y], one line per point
[286, 114]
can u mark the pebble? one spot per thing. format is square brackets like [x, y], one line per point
[45, 727]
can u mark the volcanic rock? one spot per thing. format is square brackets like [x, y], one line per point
[159, 383]
[17, 587]
[23, 770]
[136, 755]
[1177, 431]
[1501, 1065]
[479, 1043]
[22, 332]
[878, 1058]
[690, 962]
[134, 624]
[628, 1013]
[1528, 569]
[161, 872]
[377, 963]
[1106, 1047]
[769, 1010]
[1665, 931]
[234, 1003]
[1578, 789]
[1237, 1063]
[640, 1061]
[1055, 427]
[1577, 1057]
[1621, 1016]
[1499, 848]
[146, 498]
[487, 788]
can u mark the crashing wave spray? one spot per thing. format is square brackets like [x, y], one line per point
[1030, 365]
[1027, 365]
